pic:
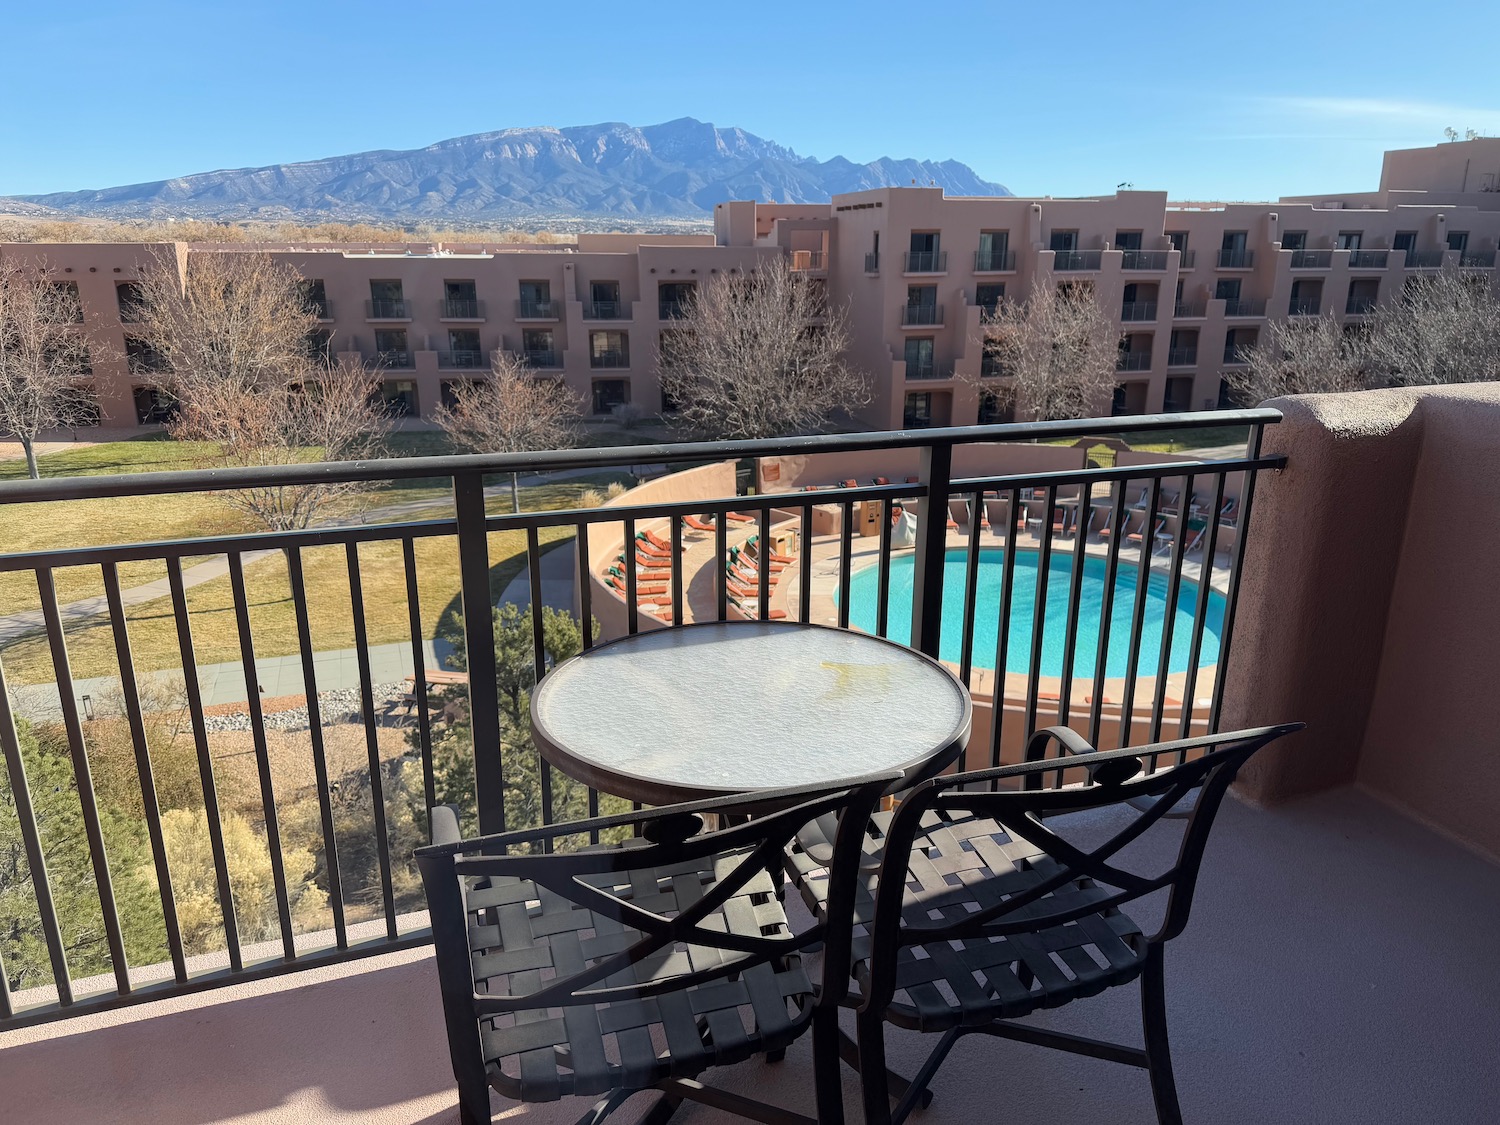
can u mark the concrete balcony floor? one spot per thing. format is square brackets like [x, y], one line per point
[1340, 967]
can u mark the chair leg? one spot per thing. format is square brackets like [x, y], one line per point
[827, 1074]
[1158, 1054]
[872, 1075]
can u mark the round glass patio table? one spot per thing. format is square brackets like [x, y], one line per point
[737, 706]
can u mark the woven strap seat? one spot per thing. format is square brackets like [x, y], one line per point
[522, 936]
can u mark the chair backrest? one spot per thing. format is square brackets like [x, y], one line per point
[640, 938]
[1023, 803]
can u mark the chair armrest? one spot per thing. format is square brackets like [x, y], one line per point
[444, 821]
[1113, 771]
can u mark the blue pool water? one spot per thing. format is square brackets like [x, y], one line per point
[864, 592]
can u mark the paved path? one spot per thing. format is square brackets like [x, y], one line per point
[557, 581]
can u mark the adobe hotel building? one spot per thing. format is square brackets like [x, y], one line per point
[1191, 283]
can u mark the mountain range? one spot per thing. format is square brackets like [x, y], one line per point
[675, 171]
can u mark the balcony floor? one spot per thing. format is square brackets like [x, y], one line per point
[1339, 967]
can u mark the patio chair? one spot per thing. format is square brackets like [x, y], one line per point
[1001, 892]
[1138, 536]
[1229, 513]
[563, 972]
[698, 524]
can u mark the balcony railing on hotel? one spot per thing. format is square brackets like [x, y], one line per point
[322, 308]
[606, 310]
[366, 920]
[530, 309]
[671, 309]
[1138, 310]
[1368, 259]
[392, 358]
[387, 308]
[1312, 259]
[1133, 361]
[1424, 259]
[541, 357]
[1244, 306]
[1182, 357]
[805, 261]
[1477, 260]
[1143, 260]
[994, 261]
[1303, 306]
[1185, 259]
[461, 308]
[914, 315]
[1190, 310]
[609, 359]
[926, 261]
[463, 359]
[872, 263]
[1236, 259]
[1076, 259]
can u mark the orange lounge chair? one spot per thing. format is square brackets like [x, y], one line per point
[739, 517]
[882, 480]
[1137, 537]
[642, 547]
[697, 524]
[650, 563]
[850, 483]
[657, 541]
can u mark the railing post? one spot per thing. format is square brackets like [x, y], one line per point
[479, 649]
[936, 472]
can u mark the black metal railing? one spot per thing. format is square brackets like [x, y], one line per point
[320, 307]
[541, 357]
[1138, 310]
[1236, 259]
[74, 949]
[1368, 259]
[1190, 310]
[917, 315]
[1182, 357]
[461, 308]
[994, 261]
[1244, 306]
[671, 308]
[392, 357]
[1303, 306]
[463, 359]
[609, 359]
[1424, 259]
[1312, 259]
[872, 263]
[1133, 361]
[1359, 306]
[1236, 354]
[1185, 259]
[804, 261]
[1477, 260]
[1077, 259]
[925, 261]
[1143, 260]
[387, 308]
[606, 310]
[536, 309]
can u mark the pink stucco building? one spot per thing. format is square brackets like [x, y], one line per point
[1192, 284]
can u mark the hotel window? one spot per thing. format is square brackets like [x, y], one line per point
[1227, 289]
[1405, 241]
[1064, 241]
[1294, 240]
[315, 297]
[1127, 240]
[610, 393]
[917, 414]
[1350, 239]
[993, 409]
[1458, 240]
[994, 250]
[130, 299]
[1178, 239]
[919, 352]
[1234, 241]
[609, 349]
[399, 396]
[988, 297]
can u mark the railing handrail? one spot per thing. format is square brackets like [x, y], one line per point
[409, 468]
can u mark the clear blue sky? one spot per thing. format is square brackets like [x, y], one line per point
[1205, 102]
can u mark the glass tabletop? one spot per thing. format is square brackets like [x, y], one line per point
[737, 706]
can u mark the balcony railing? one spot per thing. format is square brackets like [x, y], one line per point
[1133, 361]
[1424, 259]
[606, 310]
[1359, 306]
[463, 359]
[1185, 259]
[928, 370]
[671, 309]
[916, 315]
[387, 308]
[925, 261]
[872, 263]
[1138, 310]
[609, 359]
[1235, 354]
[1244, 306]
[1477, 260]
[994, 261]
[1076, 259]
[391, 358]
[322, 309]
[1236, 259]
[461, 308]
[1143, 260]
[1369, 259]
[1312, 259]
[805, 261]
[1190, 310]
[1182, 357]
[352, 855]
[536, 309]
[541, 357]
[1303, 306]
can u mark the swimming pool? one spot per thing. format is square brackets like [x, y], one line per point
[864, 596]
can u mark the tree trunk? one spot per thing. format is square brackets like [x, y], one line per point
[31, 468]
[515, 494]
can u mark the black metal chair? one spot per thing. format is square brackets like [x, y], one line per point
[565, 972]
[983, 910]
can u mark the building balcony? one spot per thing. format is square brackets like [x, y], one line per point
[671, 310]
[606, 310]
[1303, 306]
[1143, 260]
[1138, 310]
[1294, 964]
[1312, 259]
[459, 308]
[808, 261]
[387, 308]
[1182, 357]
[609, 360]
[322, 309]
[1369, 259]
[464, 360]
[1236, 259]
[924, 372]
[1189, 310]
[1186, 259]
[1425, 259]
[1359, 306]
[994, 261]
[916, 316]
[1133, 361]
[1235, 355]
[537, 310]
[1477, 260]
[925, 261]
[872, 263]
[541, 357]
[1244, 306]
[390, 359]
[1073, 260]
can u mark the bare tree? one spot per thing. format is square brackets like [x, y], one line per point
[1308, 355]
[513, 411]
[238, 341]
[760, 355]
[43, 357]
[1052, 355]
[1442, 329]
